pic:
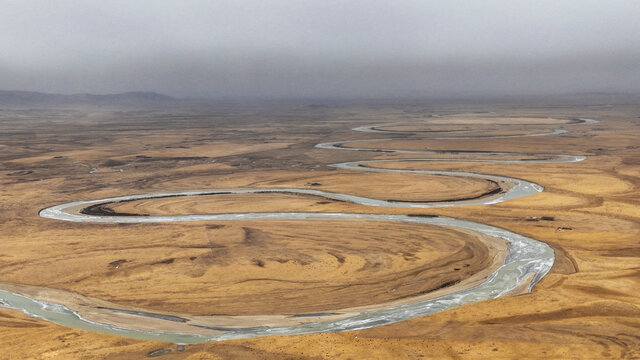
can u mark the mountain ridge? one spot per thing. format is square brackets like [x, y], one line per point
[34, 98]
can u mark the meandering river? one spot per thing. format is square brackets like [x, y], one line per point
[526, 262]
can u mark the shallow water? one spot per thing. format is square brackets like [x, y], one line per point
[526, 258]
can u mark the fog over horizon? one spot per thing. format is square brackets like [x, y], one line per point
[320, 48]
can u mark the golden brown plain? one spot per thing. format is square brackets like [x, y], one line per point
[587, 307]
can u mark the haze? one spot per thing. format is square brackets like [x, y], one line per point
[327, 48]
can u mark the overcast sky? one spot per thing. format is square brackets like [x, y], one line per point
[282, 48]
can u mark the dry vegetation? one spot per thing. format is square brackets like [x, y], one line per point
[587, 307]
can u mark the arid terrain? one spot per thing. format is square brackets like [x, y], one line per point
[587, 306]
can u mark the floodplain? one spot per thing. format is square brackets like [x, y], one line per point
[244, 273]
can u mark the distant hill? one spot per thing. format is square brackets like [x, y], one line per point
[136, 98]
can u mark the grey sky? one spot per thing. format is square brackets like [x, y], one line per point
[320, 47]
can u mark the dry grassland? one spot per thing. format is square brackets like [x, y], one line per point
[587, 307]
